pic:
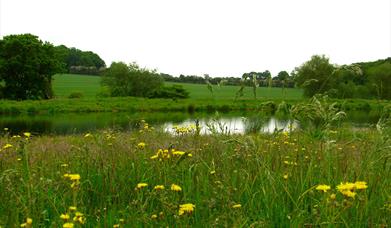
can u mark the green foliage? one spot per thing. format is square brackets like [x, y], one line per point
[26, 67]
[315, 75]
[79, 62]
[173, 92]
[75, 95]
[131, 80]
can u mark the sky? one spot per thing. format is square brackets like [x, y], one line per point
[215, 37]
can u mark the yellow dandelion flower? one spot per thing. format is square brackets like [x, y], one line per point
[154, 216]
[6, 146]
[141, 145]
[176, 188]
[285, 176]
[154, 156]
[189, 155]
[186, 208]
[360, 185]
[323, 187]
[72, 208]
[141, 185]
[349, 193]
[159, 187]
[237, 206]
[27, 134]
[348, 186]
[64, 216]
[74, 177]
[28, 223]
[68, 225]
[178, 153]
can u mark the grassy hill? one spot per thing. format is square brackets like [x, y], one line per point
[65, 84]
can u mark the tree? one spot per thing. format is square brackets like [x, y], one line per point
[26, 67]
[131, 80]
[315, 75]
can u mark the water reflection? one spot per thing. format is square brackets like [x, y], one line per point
[231, 123]
[236, 125]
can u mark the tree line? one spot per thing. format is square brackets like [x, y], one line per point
[359, 80]
[27, 65]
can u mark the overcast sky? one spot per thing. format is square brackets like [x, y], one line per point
[218, 37]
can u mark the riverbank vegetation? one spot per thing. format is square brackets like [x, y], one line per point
[322, 175]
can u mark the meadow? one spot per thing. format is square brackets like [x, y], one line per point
[328, 176]
[89, 86]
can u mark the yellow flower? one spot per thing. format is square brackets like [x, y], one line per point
[154, 156]
[141, 185]
[333, 196]
[6, 146]
[64, 216]
[72, 208]
[6, 129]
[178, 153]
[159, 187]
[285, 176]
[176, 188]
[349, 194]
[237, 206]
[141, 145]
[74, 177]
[189, 155]
[360, 185]
[323, 187]
[87, 135]
[186, 208]
[28, 223]
[116, 226]
[64, 165]
[27, 134]
[68, 225]
[154, 216]
[346, 186]
[212, 172]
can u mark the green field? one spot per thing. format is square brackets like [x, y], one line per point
[65, 84]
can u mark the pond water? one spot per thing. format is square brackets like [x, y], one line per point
[63, 124]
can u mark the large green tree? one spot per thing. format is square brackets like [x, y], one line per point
[315, 75]
[26, 67]
[131, 80]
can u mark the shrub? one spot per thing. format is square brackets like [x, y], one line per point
[174, 92]
[75, 95]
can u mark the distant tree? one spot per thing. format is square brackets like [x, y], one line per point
[131, 80]
[315, 75]
[380, 80]
[26, 67]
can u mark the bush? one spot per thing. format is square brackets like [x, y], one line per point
[75, 95]
[173, 92]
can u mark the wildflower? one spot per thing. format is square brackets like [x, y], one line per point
[212, 172]
[350, 194]
[121, 220]
[27, 134]
[141, 145]
[159, 187]
[176, 188]
[6, 146]
[64, 216]
[189, 155]
[333, 196]
[87, 135]
[79, 217]
[28, 223]
[154, 156]
[6, 129]
[237, 206]
[323, 187]
[141, 185]
[285, 176]
[154, 216]
[186, 208]
[72, 208]
[177, 153]
[68, 225]
[360, 185]
[348, 186]
[64, 165]
[116, 226]
[15, 136]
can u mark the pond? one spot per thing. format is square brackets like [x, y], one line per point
[79, 123]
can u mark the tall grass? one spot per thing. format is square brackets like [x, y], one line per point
[251, 180]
